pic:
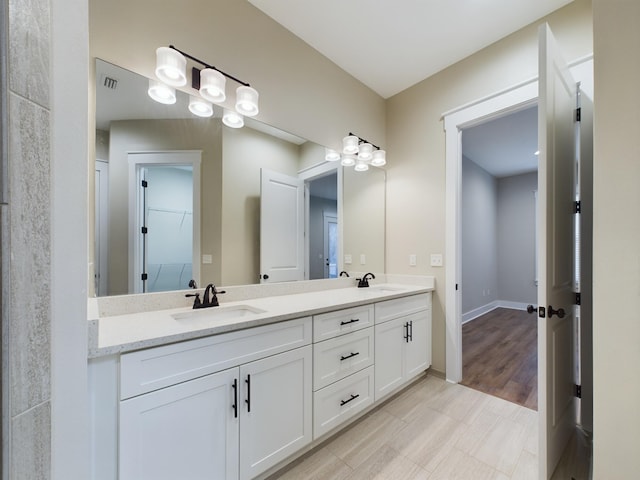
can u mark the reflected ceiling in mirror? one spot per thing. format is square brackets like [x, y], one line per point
[225, 244]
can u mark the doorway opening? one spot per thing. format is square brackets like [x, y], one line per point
[322, 226]
[498, 256]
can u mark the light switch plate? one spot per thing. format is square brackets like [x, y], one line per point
[347, 259]
[413, 260]
[363, 259]
[436, 259]
[207, 258]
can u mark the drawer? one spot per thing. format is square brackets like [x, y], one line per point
[399, 307]
[147, 370]
[332, 324]
[342, 400]
[341, 356]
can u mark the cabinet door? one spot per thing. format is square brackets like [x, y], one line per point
[418, 349]
[185, 431]
[389, 354]
[276, 400]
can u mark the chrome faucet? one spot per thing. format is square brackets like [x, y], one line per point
[210, 297]
[364, 281]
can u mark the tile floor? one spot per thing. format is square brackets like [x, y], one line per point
[432, 431]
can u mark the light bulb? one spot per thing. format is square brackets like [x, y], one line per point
[212, 85]
[348, 160]
[379, 158]
[232, 119]
[331, 155]
[247, 101]
[161, 93]
[171, 67]
[350, 144]
[365, 151]
[200, 107]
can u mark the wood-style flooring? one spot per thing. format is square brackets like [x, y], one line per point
[500, 356]
[433, 430]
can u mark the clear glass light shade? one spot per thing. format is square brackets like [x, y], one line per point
[247, 101]
[171, 67]
[350, 144]
[361, 166]
[348, 160]
[161, 93]
[379, 158]
[212, 85]
[365, 152]
[232, 119]
[200, 107]
[331, 155]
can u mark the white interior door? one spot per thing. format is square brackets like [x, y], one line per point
[556, 188]
[281, 227]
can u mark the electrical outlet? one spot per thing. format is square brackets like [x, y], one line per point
[206, 258]
[436, 259]
[347, 259]
[413, 260]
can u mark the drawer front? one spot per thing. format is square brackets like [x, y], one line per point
[147, 370]
[341, 356]
[399, 307]
[342, 400]
[333, 324]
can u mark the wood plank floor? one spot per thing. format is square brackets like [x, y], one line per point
[500, 356]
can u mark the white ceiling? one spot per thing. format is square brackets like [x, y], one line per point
[390, 45]
[505, 146]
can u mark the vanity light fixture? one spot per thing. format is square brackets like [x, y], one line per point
[331, 155]
[209, 81]
[359, 153]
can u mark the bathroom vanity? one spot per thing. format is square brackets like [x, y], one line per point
[233, 392]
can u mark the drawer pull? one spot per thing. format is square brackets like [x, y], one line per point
[342, 358]
[235, 397]
[353, 320]
[353, 397]
[406, 332]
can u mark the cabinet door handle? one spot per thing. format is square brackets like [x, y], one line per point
[235, 397]
[406, 331]
[342, 358]
[248, 400]
[353, 320]
[353, 397]
[411, 330]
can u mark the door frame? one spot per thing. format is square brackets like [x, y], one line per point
[192, 158]
[493, 106]
[327, 219]
[308, 175]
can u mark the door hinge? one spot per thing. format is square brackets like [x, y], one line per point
[144, 276]
[578, 391]
[578, 298]
[144, 184]
[578, 114]
[144, 230]
[577, 207]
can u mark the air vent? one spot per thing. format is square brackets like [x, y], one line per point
[109, 82]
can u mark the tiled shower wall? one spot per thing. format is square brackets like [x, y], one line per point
[26, 243]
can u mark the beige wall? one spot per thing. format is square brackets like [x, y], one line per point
[300, 91]
[158, 135]
[616, 251]
[416, 142]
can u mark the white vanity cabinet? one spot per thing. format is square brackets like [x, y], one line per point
[402, 341]
[343, 372]
[232, 424]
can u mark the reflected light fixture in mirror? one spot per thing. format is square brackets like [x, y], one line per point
[331, 155]
[360, 153]
[232, 119]
[161, 93]
[210, 83]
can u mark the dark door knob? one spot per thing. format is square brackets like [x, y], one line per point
[531, 309]
[559, 312]
[265, 277]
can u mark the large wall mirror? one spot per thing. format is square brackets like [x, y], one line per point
[179, 197]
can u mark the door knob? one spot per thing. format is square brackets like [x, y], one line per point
[531, 309]
[559, 312]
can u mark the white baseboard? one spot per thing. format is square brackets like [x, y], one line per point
[478, 312]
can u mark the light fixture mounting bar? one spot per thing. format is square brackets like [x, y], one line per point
[362, 140]
[206, 65]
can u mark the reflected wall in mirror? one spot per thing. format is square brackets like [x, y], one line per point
[226, 243]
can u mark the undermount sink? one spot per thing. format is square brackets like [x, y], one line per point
[385, 289]
[219, 313]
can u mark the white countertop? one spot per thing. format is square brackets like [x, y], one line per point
[122, 333]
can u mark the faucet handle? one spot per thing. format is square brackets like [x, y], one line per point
[196, 302]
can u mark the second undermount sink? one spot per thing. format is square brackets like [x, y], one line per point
[231, 312]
